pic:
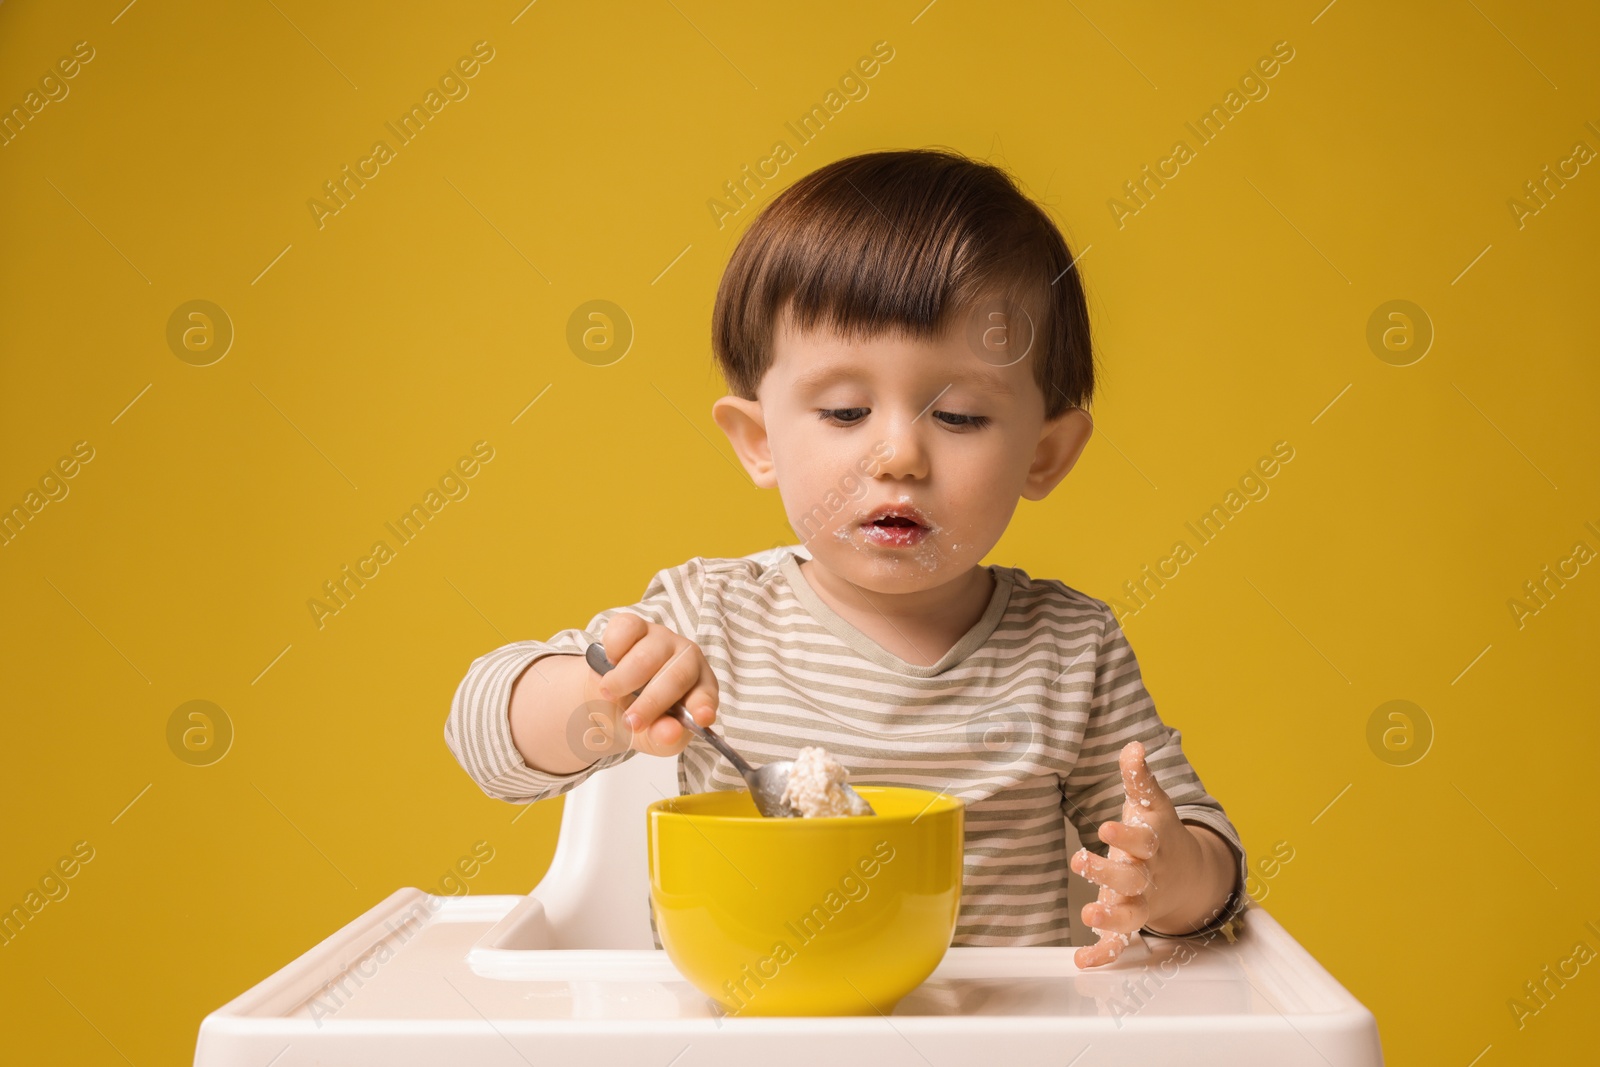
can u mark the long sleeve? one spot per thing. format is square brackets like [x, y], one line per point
[478, 729]
[1121, 710]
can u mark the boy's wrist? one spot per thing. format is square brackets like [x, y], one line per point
[1198, 895]
[548, 710]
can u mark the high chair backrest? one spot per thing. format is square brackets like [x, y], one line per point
[596, 893]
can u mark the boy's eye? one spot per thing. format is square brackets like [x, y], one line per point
[848, 416]
[950, 418]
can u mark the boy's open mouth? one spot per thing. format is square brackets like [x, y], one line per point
[896, 526]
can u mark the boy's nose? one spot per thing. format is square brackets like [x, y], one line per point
[909, 456]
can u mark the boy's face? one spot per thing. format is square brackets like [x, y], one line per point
[900, 462]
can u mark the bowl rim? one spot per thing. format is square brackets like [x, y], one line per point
[942, 803]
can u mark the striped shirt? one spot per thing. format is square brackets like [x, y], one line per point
[1023, 719]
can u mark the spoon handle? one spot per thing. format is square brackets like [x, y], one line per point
[683, 716]
[596, 658]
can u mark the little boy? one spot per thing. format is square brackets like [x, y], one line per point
[907, 346]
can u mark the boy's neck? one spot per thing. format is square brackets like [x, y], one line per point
[919, 626]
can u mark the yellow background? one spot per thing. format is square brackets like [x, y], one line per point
[371, 353]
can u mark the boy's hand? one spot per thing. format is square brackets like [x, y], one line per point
[666, 667]
[1153, 857]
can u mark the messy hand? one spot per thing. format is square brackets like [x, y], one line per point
[1151, 850]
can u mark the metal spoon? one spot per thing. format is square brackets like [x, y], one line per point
[767, 784]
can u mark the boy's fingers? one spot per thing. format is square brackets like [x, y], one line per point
[622, 632]
[1095, 955]
[701, 703]
[661, 736]
[1123, 877]
[1108, 948]
[1137, 841]
[1124, 918]
[672, 679]
[1143, 791]
[638, 665]
[669, 735]
[703, 700]
[626, 637]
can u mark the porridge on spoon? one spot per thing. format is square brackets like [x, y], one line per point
[816, 787]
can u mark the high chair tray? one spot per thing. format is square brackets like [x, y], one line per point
[422, 980]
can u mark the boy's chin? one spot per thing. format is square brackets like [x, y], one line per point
[889, 571]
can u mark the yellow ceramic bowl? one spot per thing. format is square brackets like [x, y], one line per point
[831, 916]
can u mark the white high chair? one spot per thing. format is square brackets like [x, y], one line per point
[596, 894]
[568, 974]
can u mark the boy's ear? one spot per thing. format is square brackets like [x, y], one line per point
[746, 427]
[1060, 444]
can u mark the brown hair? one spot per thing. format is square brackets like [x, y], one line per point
[903, 241]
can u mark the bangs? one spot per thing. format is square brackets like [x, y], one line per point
[911, 242]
